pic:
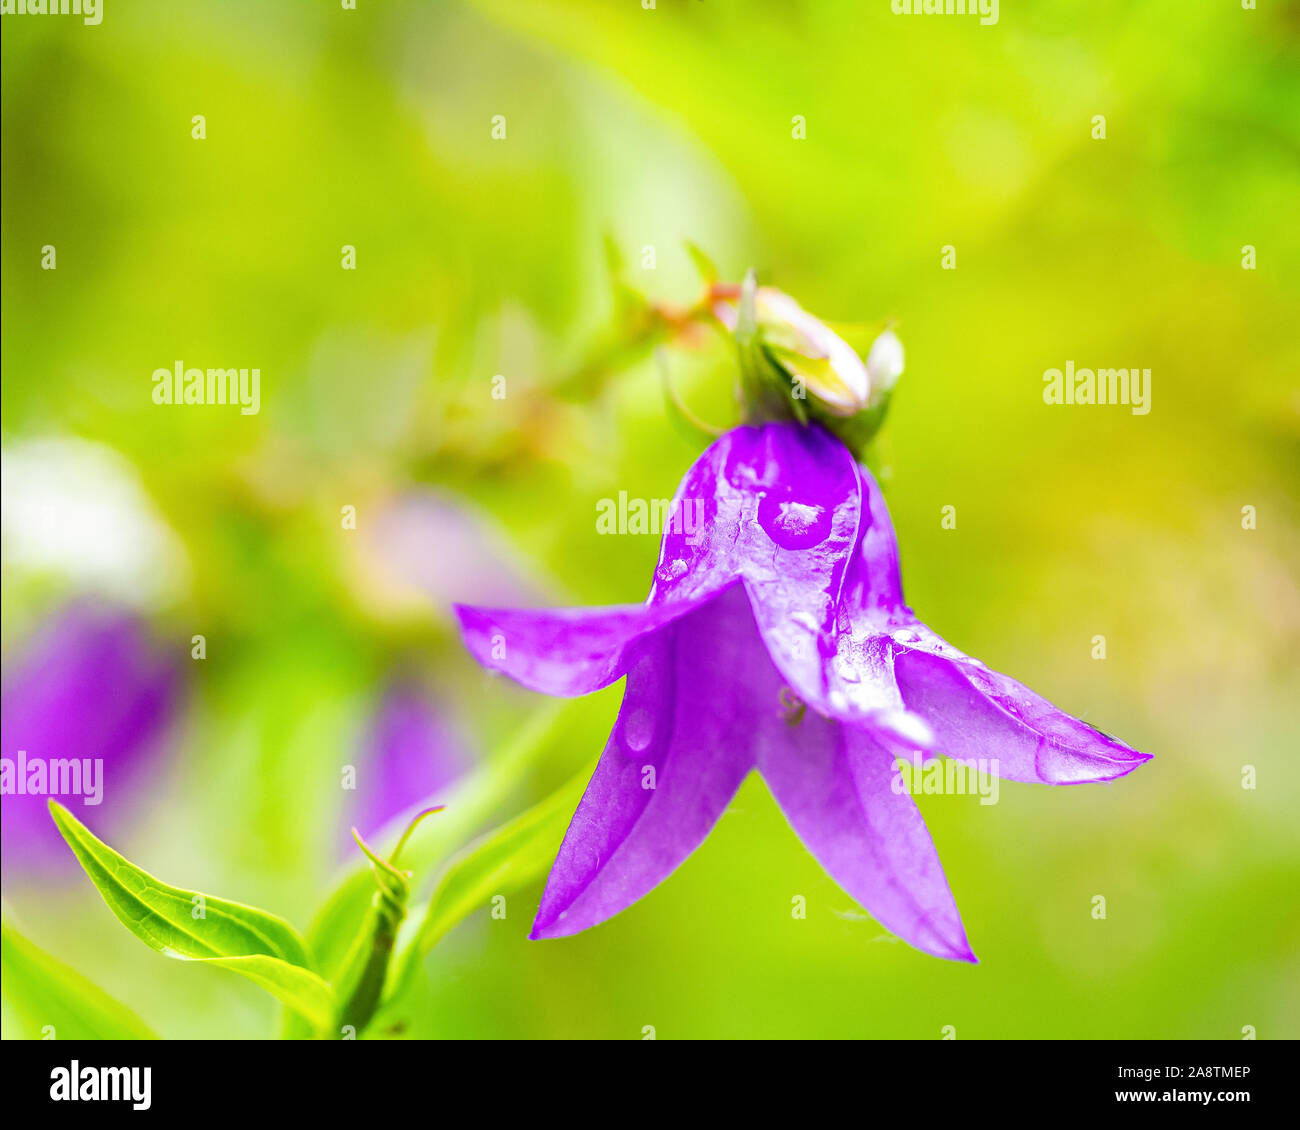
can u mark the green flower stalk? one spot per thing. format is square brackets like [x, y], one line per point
[360, 985]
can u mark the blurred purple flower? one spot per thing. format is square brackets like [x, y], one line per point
[411, 752]
[793, 592]
[90, 684]
[437, 546]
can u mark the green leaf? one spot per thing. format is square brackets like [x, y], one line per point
[627, 298]
[500, 863]
[707, 268]
[293, 985]
[194, 927]
[615, 263]
[43, 992]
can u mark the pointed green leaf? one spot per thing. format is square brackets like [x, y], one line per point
[707, 268]
[45, 993]
[500, 863]
[293, 985]
[195, 927]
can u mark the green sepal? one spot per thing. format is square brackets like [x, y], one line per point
[765, 388]
[706, 267]
[857, 431]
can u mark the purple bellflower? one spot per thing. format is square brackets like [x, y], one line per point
[778, 641]
[92, 687]
[411, 752]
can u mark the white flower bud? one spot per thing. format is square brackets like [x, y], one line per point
[808, 349]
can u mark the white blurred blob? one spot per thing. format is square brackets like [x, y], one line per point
[884, 364]
[79, 510]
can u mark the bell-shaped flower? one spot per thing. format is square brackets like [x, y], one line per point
[87, 701]
[789, 589]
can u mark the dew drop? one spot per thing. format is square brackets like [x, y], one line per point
[793, 524]
[673, 571]
[638, 729]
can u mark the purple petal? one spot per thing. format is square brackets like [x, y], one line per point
[875, 580]
[973, 713]
[856, 663]
[787, 508]
[562, 651]
[978, 714]
[89, 685]
[835, 786]
[690, 714]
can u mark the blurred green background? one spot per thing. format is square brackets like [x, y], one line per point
[479, 257]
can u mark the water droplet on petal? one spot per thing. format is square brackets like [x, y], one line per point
[673, 571]
[638, 729]
[793, 524]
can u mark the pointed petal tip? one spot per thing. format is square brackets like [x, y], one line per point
[1125, 765]
[548, 926]
[540, 931]
[981, 714]
[468, 617]
[955, 948]
[473, 617]
[1120, 763]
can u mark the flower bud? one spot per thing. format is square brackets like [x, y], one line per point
[808, 350]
